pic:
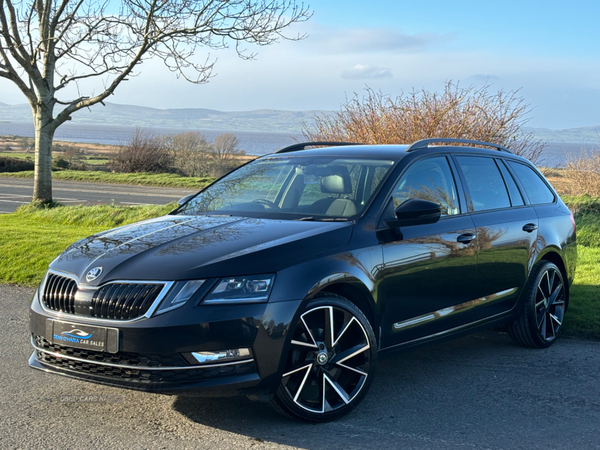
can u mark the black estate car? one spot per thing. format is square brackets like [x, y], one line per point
[285, 279]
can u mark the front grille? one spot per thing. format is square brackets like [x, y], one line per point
[144, 375]
[59, 293]
[124, 301]
[115, 301]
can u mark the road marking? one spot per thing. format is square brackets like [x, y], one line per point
[143, 194]
[12, 201]
[14, 195]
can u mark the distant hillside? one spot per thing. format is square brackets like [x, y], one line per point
[265, 120]
[583, 135]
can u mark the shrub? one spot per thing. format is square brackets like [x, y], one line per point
[467, 113]
[144, 152]
[583, 174]
[15, 165]
[190, 153]
[60, 163]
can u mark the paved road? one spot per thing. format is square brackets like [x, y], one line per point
[15, 192]
[480, 392]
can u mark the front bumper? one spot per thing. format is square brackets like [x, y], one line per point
[153, 354]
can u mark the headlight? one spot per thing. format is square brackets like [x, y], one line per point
[250, 289]
[181, 292]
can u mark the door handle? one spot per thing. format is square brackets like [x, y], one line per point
[465, 238]
[529, 227]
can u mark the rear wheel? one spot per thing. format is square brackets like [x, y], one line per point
[330, 363]
[540, 322]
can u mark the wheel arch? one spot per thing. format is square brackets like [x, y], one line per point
[553, 256]
[356, 292]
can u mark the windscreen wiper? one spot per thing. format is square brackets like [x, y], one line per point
[324, 219]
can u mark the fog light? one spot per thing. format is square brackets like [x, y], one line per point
[237, 354]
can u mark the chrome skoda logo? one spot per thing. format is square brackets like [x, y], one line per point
[93, 274]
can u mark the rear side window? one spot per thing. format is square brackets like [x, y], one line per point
[485, 183]
[535, 188]
[515, 196]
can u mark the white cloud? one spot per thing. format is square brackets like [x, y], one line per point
[366, 72]
[368, 40]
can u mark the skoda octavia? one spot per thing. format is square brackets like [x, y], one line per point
[286, 279]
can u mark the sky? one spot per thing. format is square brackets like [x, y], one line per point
[548, 50]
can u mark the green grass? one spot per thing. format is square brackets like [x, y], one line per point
[17, 155]
[583, 317]
[91, 160]
[32, 237]
[141, 179]
[587, 212]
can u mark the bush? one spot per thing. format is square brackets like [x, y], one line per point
[60, 163]
[143, 153]
[466, 113]
[15, 165]
[190, 153]
[583, 174]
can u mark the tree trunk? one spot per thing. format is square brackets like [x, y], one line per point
[44, 135]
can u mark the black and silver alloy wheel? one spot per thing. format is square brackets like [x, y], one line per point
[550, 304]
[540, 322]
[330, 363]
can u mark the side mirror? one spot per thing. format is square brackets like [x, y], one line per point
[415, 212]
[185, 199]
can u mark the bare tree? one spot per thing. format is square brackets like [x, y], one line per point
[190, 152]
[467, 113]
[47, 46]
[225, 153]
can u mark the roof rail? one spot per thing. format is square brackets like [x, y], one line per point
[424, 143]
[303, 145]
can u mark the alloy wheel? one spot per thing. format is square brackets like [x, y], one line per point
[328, 364]
[550, 304]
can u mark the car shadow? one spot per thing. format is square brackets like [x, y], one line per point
[412, 395]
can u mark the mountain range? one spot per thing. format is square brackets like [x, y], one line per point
[262, 120]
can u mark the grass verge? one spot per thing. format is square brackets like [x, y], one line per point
[583, 317]
[31, 238]
[140, 179]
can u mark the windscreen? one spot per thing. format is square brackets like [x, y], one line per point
[314, 188]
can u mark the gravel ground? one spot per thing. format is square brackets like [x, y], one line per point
[480, 392]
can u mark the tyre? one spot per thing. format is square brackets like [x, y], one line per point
[539, 324]
[330, 363]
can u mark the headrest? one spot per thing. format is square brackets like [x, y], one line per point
[337, 181]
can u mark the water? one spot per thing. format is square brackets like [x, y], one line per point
[254, 143]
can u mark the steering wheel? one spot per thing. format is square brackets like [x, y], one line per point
[267, 203]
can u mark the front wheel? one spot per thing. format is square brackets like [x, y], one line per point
[540, 322]
[330, 363]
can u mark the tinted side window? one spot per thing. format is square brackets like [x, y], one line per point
[515, 196]
[429, 179]
[485, 182]
[535, 188]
